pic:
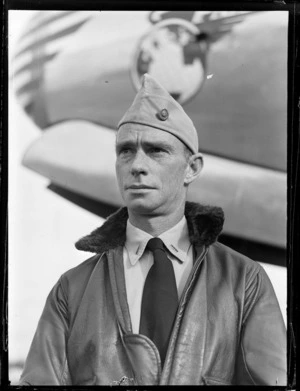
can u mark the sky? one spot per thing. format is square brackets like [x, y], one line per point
[43, 227]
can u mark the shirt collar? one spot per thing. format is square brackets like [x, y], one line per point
[176, 239]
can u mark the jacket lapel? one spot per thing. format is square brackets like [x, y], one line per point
[117, 280]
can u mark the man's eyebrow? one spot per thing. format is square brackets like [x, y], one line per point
[147, 144]
[158, 144]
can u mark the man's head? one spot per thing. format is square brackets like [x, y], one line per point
[157, 152]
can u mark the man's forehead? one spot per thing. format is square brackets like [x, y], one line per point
[144, 133]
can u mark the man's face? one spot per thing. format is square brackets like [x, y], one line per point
[151, 168]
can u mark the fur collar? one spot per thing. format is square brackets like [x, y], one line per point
[204, 223]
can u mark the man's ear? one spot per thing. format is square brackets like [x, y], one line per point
[195, 165]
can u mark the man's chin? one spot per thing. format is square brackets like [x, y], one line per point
[140, 206]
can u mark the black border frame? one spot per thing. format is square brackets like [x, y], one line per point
[293, 149]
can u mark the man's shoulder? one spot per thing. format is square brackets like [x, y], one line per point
[81, 272]
[227, 266]
[227, 257]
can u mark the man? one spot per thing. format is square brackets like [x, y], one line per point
[161, 302]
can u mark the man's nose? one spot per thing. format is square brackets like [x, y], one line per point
[139, 165]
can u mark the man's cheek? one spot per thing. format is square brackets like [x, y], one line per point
[175, 178]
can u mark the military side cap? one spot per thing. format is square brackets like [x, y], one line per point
[154, 106]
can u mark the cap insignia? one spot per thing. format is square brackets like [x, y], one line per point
[163, 114]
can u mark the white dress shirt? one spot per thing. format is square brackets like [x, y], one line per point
[138, 261]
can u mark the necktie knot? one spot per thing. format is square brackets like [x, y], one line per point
[155, 244]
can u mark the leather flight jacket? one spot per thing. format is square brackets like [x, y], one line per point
[228, 328]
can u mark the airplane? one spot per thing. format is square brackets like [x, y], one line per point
[77, 72]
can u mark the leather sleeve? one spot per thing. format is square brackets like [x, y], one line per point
[262, 355]
[46, 363]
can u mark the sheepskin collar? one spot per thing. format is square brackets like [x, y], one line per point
[204, 223]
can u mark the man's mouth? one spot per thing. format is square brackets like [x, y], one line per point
[139, 187]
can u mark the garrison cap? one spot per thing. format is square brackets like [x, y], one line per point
[154, 106]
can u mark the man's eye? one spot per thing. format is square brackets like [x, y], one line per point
[156, 150]
[125, 151]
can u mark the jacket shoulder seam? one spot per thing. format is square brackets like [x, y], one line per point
[254, 300]
[63, 288]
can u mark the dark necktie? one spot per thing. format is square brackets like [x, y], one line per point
[160, 299]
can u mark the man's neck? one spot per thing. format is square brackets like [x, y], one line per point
[155, 225]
